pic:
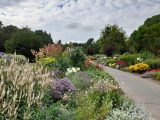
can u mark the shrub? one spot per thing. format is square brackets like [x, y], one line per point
[81, 80]
[62, 87]
[56, 111]
[110, 61]
[22, 87]
[77, 57]
[88, 63]
[109, 50]
[126, 53]
[121, 63]
[147, 74]
[129, 111]
[62, 63]
[153, 63]
[129, 59]
[9, 57]
[92, 105]
[51, 50]
[146, 55]
[90, 51]
[156, 75]
[140, 68]
[48, 62]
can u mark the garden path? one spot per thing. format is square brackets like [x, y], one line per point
[141, 90]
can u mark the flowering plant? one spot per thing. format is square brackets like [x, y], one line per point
[98, 67]
[139, 59]
[1, 54]
[51, 50]
[154, 71]
[61, 87]
[72, 70]
[121, 63]
[140, 68]
[113, 65]
[88, 63]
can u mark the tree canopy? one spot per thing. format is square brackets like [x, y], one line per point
[22, 41]
[147, 37]
[114, 36]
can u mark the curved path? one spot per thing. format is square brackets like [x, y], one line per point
[142, 91]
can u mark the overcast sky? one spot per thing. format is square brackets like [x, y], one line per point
[77, 20]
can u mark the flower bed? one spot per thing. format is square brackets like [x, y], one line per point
[140, 68]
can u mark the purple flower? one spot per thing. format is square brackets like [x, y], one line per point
[61, 87]
[1, 54]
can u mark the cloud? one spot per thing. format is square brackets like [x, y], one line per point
[4, 3]
[77, 20]
[73, 25]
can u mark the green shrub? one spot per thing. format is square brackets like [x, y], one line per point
[48, 62]
[146, 55]
[153, 63]
[129, 59]
[127, 53]
[62, 63]
[56, 111]
[110, 61]
[81, 80]
[156, 75]
[77, 57]
[92, 105]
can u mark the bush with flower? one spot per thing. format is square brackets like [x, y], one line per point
[140, 68]
[88, 62]
[139, 60]
[121, 64]
[72, 70]
[151, 74]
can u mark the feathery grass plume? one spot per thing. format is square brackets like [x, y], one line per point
[22, 87]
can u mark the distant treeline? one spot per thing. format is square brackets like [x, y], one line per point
[112, 40]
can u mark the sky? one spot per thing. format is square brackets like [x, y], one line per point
[77, 20]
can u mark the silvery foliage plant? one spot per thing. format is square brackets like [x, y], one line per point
[129, 112]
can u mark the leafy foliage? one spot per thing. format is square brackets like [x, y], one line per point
[156, 75]
[153, 63]
[22, 42]
[77, 57]
[129, 59]
[112, 35]
[147, 37]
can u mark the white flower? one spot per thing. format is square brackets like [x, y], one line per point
[140, 59]
[114, 57]
[69, 70]
[74, 70]
[78, 69]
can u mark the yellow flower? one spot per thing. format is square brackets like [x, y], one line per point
[138, 67]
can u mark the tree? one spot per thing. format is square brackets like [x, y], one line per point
[59, 42]
[22, 41]
[1, 24]
[45, 37]
[5, 34]
[114, 36]
[147, 37]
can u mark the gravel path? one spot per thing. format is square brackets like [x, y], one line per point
[141, 90]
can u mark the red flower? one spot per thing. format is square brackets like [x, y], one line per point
[121, 63]
[154, 71]
[98, 67]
